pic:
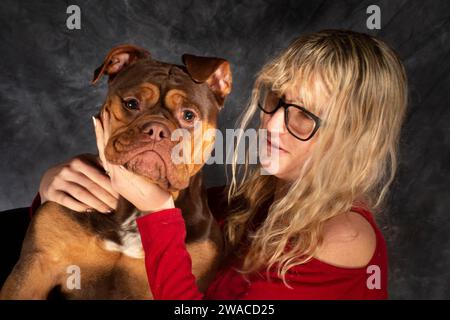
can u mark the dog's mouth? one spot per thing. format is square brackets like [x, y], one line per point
[149, 158]
[148, 164]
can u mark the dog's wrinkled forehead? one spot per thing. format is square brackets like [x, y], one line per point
[205, 81]
[165, 77]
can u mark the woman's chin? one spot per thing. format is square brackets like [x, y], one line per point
[278, 170]
[271, 167]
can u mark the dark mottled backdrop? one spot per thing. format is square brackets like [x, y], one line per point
[47, 100]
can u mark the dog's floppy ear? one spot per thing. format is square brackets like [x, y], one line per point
[118, 58]
[214, 71]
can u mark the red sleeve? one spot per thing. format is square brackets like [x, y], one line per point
[35, 204]
[167, 261]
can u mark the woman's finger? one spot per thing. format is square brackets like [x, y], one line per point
[106, 130]
[91, 172]
[89, 183]
[106, 127]
[67, 201]
[99, 135]
[106, 134]
[78, 192]
[103, 181]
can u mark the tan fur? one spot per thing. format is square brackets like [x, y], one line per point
[52, 257]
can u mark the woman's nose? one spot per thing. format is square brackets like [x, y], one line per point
[276, 122]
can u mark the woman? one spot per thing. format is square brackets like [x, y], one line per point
[332, 103]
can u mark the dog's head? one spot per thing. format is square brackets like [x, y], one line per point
[148, 100]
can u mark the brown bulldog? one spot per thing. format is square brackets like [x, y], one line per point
[96, 256]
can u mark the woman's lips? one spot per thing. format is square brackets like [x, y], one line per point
[273, 145]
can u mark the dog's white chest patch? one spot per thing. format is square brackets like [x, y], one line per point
[131, 240]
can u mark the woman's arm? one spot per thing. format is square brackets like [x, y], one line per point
[168, 263]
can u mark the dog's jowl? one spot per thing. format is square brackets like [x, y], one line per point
[147, 100]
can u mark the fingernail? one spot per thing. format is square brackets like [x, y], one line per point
[108, 212]
[95, 122]
[122, 167]
[89, 210]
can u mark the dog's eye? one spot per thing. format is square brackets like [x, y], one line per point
[188, 115]
[131, 103]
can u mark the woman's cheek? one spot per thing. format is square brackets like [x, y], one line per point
[287, 165]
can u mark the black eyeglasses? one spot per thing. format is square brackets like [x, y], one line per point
[300, 122]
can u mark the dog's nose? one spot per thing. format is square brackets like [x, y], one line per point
[156, 131]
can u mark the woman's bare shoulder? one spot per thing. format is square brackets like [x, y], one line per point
[349, 241]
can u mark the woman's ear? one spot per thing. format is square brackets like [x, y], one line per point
[117, 59]
[214, 71]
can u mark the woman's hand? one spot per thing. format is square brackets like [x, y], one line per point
[79, 184]
[143, 194]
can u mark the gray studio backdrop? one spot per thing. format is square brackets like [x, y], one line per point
[47, 100]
